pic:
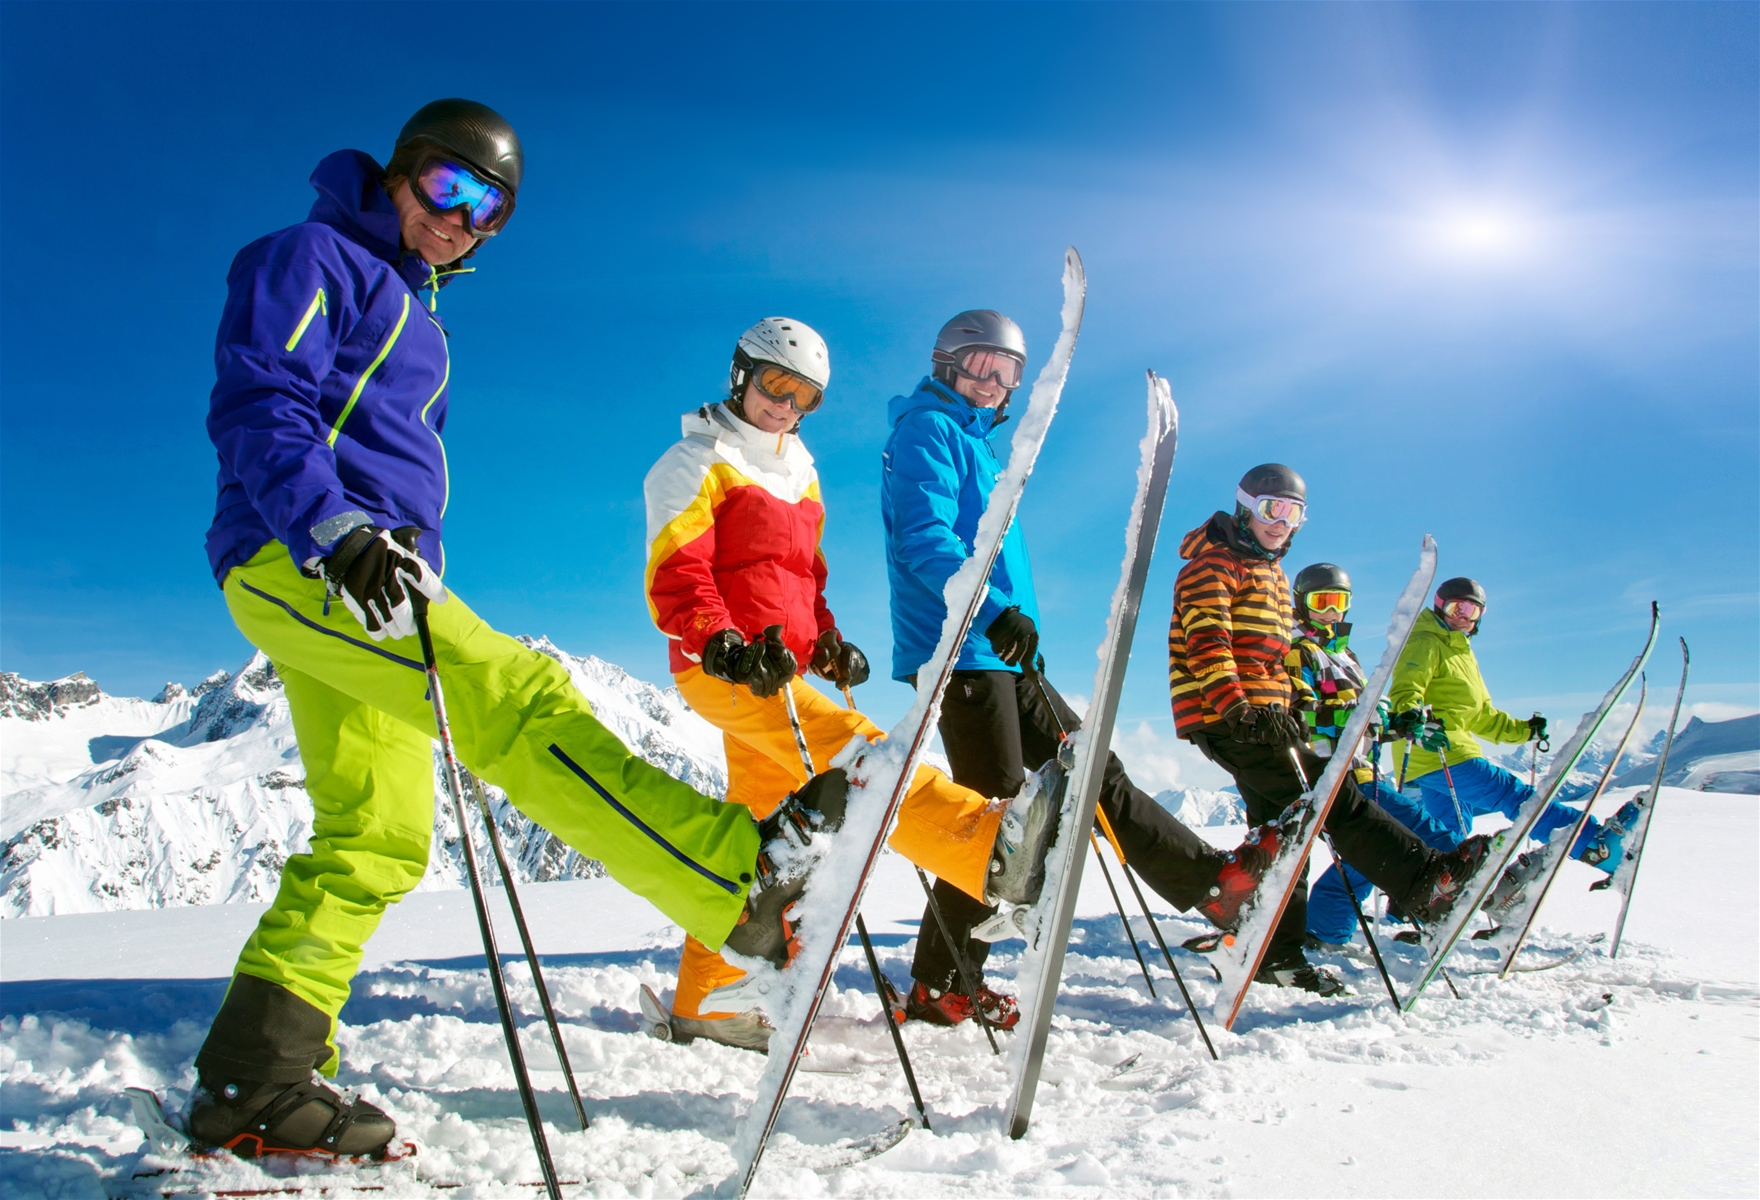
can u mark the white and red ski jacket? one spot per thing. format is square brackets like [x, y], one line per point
[734, 520]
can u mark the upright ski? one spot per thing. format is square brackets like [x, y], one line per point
[879, 780]
[1043, 960]
[1518, 922]
[1238, 958]
[1440, 938]
[1626, 874]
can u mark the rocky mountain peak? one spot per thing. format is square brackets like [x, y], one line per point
[29, 701]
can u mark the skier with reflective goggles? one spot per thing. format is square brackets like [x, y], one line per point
[1000, 716]
[1327, 679]
[327, 412]
[736, 581]
[1227, 648]
[1440, 673]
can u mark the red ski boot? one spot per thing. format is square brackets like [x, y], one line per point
[1240, 876]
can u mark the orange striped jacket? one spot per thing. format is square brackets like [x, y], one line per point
[1231, 626]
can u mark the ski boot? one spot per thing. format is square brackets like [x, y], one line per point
[765, 929]
[1442, 884]
[1511, 888]
[250, 1118]
[1606, 848]
[749, 1030]
[1240, 876]
[1017, 862]
[1298, 972]
[950, 1007]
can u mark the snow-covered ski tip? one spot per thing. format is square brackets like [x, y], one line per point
[1237, 959]
[1048, 929]
[792, 996]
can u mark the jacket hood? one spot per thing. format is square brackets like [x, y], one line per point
[978, 422]
[351, 201]
[1222, 529]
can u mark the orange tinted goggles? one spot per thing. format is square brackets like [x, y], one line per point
[780, 385]
[1470, 610]
[1329, 601]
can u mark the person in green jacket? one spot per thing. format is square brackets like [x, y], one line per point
[1438, 669]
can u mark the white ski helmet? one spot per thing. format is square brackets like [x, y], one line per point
[790, 344]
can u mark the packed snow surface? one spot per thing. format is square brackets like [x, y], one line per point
[1633, 1077]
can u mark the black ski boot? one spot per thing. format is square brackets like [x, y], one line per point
[251, 1118]
[765, 929]
[1438, 890]
[1298, 972]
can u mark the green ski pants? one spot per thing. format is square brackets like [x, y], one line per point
[365, 727]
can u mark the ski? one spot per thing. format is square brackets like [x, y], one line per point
[835, 892]
[1626, 874]
[1555, 964]
[1047, 932]
[1240, 953]
[1520, 916]
[1439, 939]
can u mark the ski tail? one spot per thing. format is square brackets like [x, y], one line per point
[1239, 957]
[1556, 851]
[1625, 876]
[825, 927]
[1439, 939]
[1043, 959]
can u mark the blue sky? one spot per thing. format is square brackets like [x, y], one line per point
[1484, 271]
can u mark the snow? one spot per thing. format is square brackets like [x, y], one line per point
[1652, 1092]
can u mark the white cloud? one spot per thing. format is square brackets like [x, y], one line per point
[1157, 763]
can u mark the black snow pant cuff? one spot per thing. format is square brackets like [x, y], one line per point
[266, 1034]
[934, 965]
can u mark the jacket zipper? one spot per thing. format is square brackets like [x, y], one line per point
[361, 385]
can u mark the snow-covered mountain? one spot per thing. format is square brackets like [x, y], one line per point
[1708, 756]
[1197, 807]
[198, 795]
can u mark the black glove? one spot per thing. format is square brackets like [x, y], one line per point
[767, 665]
[1536, 728]
[721, 654]
[1013, 636]
[369, 569]
[839, 661]
[1267, 725]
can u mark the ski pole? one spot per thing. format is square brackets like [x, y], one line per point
[1459, 815]
[1351, 891]
[904, 1059]
[525, 941]
[523, 1081]
[1122, 919]
[1131, 878]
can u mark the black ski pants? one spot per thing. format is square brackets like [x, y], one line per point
[995, 727]
[1387, 853]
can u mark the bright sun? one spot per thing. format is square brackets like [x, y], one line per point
[1481, 234]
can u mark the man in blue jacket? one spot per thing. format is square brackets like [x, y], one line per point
[327, 412]
[1000, 716]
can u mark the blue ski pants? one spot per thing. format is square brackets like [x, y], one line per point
[1331, 918]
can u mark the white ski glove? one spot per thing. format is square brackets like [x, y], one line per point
[369, 571]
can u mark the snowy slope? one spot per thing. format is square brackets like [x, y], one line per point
[1637, 1077]
[198, 797]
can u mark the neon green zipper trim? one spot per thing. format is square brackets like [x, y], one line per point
[318, 305]
[361, 386]
[445, 471]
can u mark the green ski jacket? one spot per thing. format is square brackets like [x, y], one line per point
[1438, 669]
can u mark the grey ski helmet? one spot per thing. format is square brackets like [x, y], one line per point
[975, 327]
[1462, 588]
[1320, 577]
[479, 136]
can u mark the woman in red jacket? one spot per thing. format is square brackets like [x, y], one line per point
[736, 580]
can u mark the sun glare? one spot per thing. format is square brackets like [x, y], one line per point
[1481, 234]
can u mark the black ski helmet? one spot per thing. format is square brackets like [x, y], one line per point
[1274, 479]
[1321, 577]
[975, 327]
[480, 137]
[1462, 588]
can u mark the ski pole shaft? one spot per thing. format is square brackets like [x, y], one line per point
[1122, 919]
[904, 1059]
[498, 982]
[794, 723]
[525, 941]
[959, 959]
[1459, 814]
[1363, 922]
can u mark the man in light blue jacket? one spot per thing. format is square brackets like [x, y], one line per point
[1000, 716]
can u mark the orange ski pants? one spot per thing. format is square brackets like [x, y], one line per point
[946, 829]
